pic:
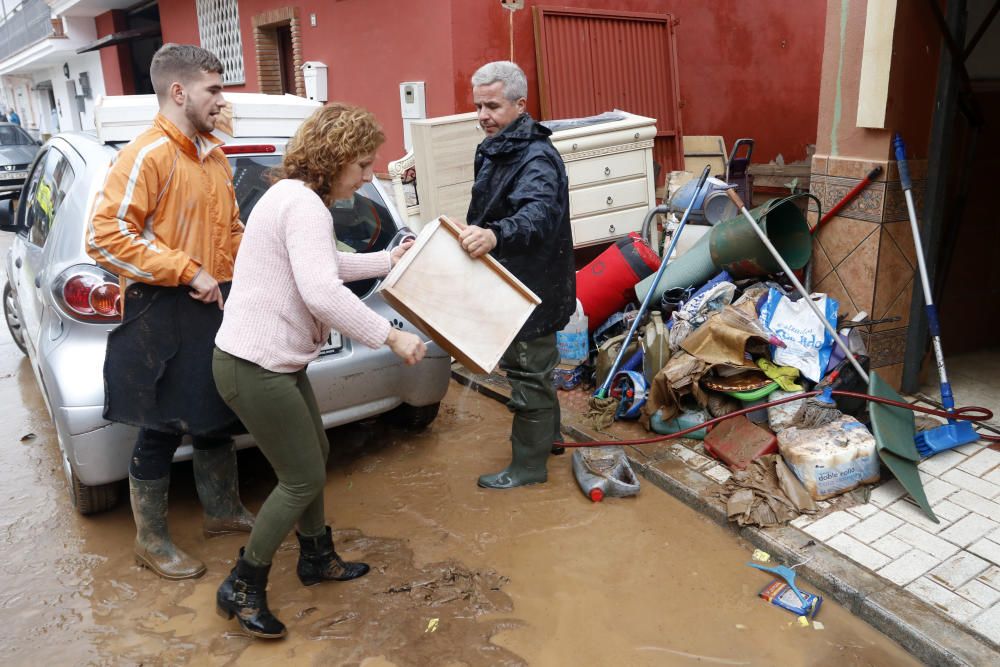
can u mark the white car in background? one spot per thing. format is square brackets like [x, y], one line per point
[59, 307]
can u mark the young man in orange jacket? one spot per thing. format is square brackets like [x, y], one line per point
[167, 222]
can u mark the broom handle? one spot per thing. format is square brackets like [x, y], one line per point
[603, 389]
[947, 398]
[872, 175]
[795, 281]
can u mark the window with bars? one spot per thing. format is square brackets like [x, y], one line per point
[219, 27]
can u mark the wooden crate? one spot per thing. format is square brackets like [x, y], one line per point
[473, 308]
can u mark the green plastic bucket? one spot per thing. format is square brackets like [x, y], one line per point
[734, 246]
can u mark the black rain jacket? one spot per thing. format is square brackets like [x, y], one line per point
[521, 194]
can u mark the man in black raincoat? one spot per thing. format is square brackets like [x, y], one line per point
[519, 213]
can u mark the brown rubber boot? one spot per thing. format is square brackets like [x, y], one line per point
[153, 547]
[217, 482]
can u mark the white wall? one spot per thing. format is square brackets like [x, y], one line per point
[44, 62]
[83, 30]
[86, 62]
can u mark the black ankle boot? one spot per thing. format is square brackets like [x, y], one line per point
[244, 594]
[319, 562]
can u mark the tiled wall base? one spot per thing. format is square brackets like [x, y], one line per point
[864, 256]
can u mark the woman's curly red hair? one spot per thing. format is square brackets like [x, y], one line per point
[332, 137]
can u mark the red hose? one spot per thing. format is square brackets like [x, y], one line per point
[968, 413]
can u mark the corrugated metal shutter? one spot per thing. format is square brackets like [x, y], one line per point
[590, 61]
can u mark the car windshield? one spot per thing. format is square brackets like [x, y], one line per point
[11, 135]
[361, 224]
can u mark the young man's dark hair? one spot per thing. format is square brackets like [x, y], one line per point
[180, 62]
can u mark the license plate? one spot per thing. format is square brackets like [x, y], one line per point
[334, 344]
[11, 175]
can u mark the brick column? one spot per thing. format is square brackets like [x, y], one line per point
[864, 256]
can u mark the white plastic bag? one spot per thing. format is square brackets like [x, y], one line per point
[572, 341]
[808, 345]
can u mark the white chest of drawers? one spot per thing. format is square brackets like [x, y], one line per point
[611, 182]
[609, 165]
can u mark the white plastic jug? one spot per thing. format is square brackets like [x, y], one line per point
[572, 341]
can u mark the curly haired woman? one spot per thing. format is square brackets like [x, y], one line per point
[288, 292]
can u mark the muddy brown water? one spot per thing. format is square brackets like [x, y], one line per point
[460, 575]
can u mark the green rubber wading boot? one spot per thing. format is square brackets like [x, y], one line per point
[318, 561]
[530, 444]
[243, 594]
[153, 547]
[217, 482]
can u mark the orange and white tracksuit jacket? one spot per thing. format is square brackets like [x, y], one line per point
[167, 209]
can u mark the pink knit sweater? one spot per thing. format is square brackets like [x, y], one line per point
[288, 285]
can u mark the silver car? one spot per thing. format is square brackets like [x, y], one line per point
[59, 307]
[17, 150]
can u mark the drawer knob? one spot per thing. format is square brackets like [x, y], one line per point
[610, 200]
[611, 229]
[607, 171]
[574, 147]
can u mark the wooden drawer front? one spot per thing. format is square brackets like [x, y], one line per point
[602, 198]
[608, 226]
[453, 201]
[605, 168]
[452, 151]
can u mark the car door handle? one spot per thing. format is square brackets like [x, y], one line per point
[17, 262]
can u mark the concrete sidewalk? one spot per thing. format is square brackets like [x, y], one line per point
[934, 588]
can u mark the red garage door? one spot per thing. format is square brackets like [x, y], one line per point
[591, 61]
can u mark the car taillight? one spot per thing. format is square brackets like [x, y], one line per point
[88, 293]
[76, 294]
[105, 299]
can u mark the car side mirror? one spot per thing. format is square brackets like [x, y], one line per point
[7, 222]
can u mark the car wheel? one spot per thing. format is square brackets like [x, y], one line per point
[13, 317]
[413, 417]
[93, 499]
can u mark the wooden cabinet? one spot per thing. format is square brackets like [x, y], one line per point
[444, 151]
[609, 165]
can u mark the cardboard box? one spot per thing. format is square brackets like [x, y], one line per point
[473, 308]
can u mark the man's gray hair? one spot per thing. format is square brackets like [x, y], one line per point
[515, 84]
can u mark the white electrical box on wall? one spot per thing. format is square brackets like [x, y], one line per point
[412, 106]
[314, 77]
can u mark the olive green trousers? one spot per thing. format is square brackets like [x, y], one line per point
[280, 412]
